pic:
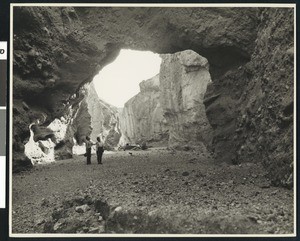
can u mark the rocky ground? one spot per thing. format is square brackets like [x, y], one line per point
[151, 191]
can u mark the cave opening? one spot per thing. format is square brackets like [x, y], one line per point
[144, 97]
[118, 81]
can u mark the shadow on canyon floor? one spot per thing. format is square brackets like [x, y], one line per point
[152, 191]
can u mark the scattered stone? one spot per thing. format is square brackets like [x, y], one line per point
[254, 175]
[40, 221]
[265, 185]
[82, 209]
[118, 209]
[185, 174]
[56, 226]
[168, 192]
[256, 193]
[102, 229]
[253, 219]
[32, 52]
[272, 217]
[193, 160]
[85, 229]
[290, 51]
[100, 218]
[103, 208]
[88, 199]
[45, 202]
[57, 213]
[94, 230]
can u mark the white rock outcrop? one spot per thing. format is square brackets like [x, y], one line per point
[170, 105]
[183, 80]
[142, 117]
[96, 118]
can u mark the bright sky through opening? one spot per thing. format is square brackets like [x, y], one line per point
[117, 82]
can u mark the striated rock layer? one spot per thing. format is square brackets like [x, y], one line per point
[142, 117]
[183, 80]
[250, 50]
[169, 109]
[93, 118]
[104, 119]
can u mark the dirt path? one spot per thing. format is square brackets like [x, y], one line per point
[153, 191]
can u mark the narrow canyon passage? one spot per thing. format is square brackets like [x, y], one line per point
[152, 191]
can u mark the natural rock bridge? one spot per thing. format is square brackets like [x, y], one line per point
[225, 91]
[250, 52]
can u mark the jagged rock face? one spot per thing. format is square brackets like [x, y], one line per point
[251, 108]
[104, 119]
[96, 118]
[142, 117]
[50, 143]
[57, 50]
[93, 117]
[183, 80]
[169, 108]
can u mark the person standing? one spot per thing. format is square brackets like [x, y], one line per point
[88, 145]
[99, 150]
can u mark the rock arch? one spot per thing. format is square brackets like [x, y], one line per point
[59, 49]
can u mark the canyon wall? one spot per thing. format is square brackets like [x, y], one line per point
[65, 136]
[183, 80]
[142, 117]
[90, 117]
[251, 107]
[169, 108]
[249, 103]
[104, 119]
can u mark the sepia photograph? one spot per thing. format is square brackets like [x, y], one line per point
[152, 120]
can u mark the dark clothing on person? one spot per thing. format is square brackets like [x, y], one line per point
[100, 150]
[88, 156]
[88, 151]
[99, 155]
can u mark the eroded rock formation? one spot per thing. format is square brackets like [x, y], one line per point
[250, 51]
[65, 136]
[251, 107]
[142, 117]
[169, 109]
[183, 80]
[104, 119]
